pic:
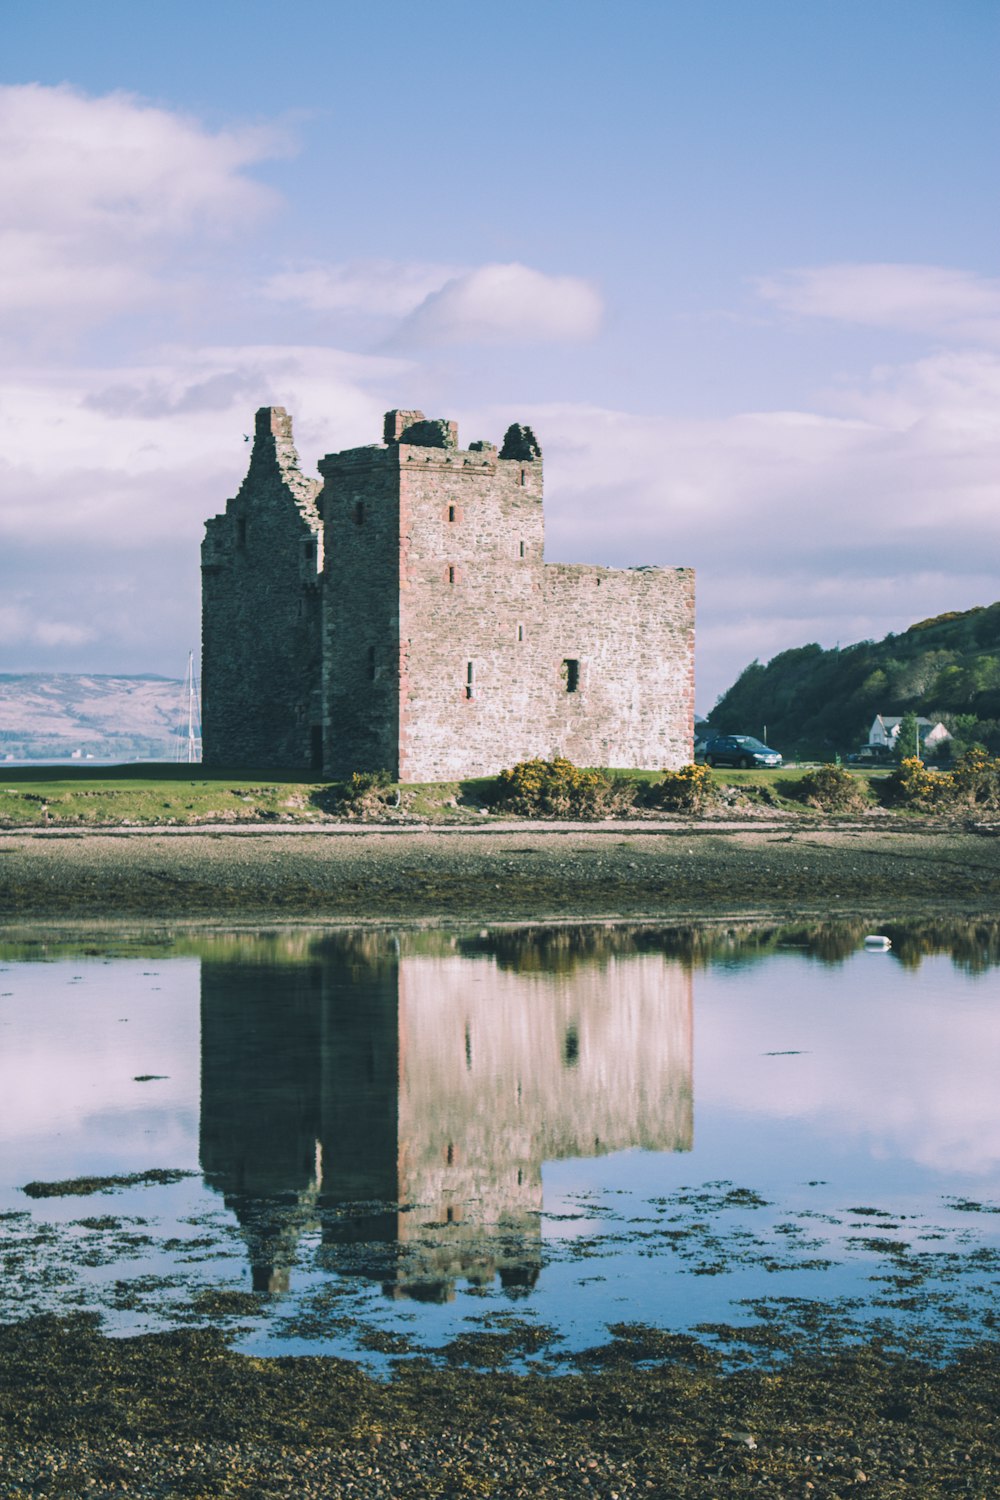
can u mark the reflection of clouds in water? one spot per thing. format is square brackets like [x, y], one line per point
[907, 1063]
[68, 1061]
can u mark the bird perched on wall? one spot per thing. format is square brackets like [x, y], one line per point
[246, 437]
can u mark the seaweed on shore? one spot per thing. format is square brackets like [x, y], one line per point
[181, 1413]
[81, 1187]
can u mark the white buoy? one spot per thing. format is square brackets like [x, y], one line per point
[877, 942]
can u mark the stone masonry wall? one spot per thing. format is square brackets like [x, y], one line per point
[444, 647]
[471, 610]
[361, 651]
[630, 632]
[261, 565]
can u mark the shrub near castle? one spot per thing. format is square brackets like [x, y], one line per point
[832, 789]
[973, 784]
[558, 789]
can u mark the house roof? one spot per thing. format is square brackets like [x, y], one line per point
[889, 721]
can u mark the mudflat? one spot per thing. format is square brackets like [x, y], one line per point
[502, 871]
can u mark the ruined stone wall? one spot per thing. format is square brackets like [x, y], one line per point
[504, 657]
[444, 647]
[472, 539]
[261, 565]
[361, 649]
[616, 683]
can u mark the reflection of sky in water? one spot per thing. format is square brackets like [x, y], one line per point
[422, 1131]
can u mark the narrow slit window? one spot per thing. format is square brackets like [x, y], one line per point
[520, 632]
[451, 513]
[524, 478]
[470, 679]
[359, 512]
[241, 532]
[451, 573]
[310, 552]
[371, 663]
[571, 674]
[521, 545]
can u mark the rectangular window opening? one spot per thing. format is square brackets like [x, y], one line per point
[524, 478]
[522, 549]
[371, 663]
[451, 513]
[571, 674]
[310, 551]
[470, 679]
[520, 632]
[359, 512]
[241, 532]
[451, 573]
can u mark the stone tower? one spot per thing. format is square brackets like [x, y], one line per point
[261, 564]
[435, 642]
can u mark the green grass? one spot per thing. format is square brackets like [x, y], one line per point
[41, 796]
[170, 795]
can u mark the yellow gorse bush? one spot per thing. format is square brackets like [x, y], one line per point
[686, 790]
[557, 788]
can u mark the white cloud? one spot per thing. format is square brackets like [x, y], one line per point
[385, 288]
[96, 194]
[937, 300]
[885, 1067]
[503, 304]
[135, 454]
[19, 626]
[836, 525]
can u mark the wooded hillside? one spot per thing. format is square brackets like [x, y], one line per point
[816, 703]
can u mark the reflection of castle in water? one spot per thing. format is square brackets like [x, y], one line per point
[404, 1092]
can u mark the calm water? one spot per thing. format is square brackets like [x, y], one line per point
[395, 1139]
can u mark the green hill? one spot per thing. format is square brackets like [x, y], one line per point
[816, 703]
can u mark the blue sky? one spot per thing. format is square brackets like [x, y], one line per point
[736, 264]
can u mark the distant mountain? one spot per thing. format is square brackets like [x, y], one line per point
[815, 702]
[56, 715]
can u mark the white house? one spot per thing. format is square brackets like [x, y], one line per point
[885, 732]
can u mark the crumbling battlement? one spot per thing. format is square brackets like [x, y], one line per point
[403, 617]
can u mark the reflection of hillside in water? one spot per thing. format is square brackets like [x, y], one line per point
[405, 1093]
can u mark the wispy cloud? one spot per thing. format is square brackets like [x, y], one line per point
[505, 304]
[382, 288]
[940, 301]
[438, 304]
[20, 626]
[96, 194]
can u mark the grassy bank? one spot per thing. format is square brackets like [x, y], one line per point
[182, 795]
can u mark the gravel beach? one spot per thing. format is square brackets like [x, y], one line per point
[179, 1415]
[503, 872]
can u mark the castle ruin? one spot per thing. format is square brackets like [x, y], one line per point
[399, 615]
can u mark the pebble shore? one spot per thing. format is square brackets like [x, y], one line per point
[180, 1415]
[505, 871]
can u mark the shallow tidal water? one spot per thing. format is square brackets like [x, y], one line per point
[379, 1143]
